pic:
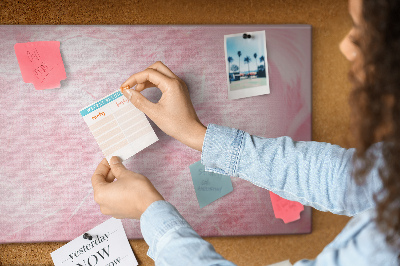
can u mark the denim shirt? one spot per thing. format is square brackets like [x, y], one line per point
[312, 173]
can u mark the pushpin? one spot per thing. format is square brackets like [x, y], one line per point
[127, 87]
[246, 36]
[87, 236]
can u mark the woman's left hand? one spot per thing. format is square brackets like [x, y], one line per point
[127, 197]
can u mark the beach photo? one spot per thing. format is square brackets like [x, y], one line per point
[246, 64]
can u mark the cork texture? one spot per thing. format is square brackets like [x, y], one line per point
[330, 22]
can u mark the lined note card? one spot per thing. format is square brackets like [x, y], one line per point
[41, 64]
[118, 126]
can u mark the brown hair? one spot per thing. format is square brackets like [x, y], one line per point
[375, 103]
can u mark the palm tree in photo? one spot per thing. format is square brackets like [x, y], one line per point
[234, 68]
[262, 59]
[255, 57]
[239, 54]
[247, 60]
[230, 60]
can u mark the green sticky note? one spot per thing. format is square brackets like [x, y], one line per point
[209, 186]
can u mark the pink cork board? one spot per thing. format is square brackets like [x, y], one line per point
[49, 153]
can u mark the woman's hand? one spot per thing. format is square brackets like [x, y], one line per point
[174, 113]
[127, 197]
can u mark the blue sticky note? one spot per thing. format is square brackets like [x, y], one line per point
[209, 186]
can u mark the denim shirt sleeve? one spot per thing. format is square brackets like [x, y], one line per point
[172, 241]
[312, 173]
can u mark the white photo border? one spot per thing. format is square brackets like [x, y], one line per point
[247, 92]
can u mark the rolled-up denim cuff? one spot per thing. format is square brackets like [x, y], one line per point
[222, 147]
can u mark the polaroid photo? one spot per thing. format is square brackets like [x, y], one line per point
[246, 64]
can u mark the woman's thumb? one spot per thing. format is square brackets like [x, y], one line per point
[116, 166]
[138, 100]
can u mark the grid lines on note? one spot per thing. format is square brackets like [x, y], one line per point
[120, 129]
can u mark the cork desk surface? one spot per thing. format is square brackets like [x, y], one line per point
[329, 21]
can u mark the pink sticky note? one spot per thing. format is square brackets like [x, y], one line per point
[284, 209]
[41, 64]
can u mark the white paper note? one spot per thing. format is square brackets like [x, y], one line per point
[118, 126]
[109, 246]
[282, 263]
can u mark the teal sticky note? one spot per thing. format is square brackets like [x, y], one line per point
[209, 186]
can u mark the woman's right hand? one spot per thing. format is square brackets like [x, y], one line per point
[173, 113]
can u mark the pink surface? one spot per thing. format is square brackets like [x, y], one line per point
[288, 211]
[41, 64]
[49, 154]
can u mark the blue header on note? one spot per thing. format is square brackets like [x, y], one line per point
[101, 103]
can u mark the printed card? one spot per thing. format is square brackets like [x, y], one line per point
[118, 126]
[41, 64]
[108, 246]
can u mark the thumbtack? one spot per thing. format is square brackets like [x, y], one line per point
[246, 36]
[87, 236]
[127, 87]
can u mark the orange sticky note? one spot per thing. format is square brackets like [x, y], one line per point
[41, 64]
[284, 209]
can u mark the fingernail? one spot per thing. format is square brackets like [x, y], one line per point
[115, 160]
[129, 92]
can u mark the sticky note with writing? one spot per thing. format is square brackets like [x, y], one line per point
[108, 246]
[284, 209]
[118, 126]
[41, 64]
[209, 186]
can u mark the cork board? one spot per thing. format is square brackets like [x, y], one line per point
[330, 91]
[48, 138]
